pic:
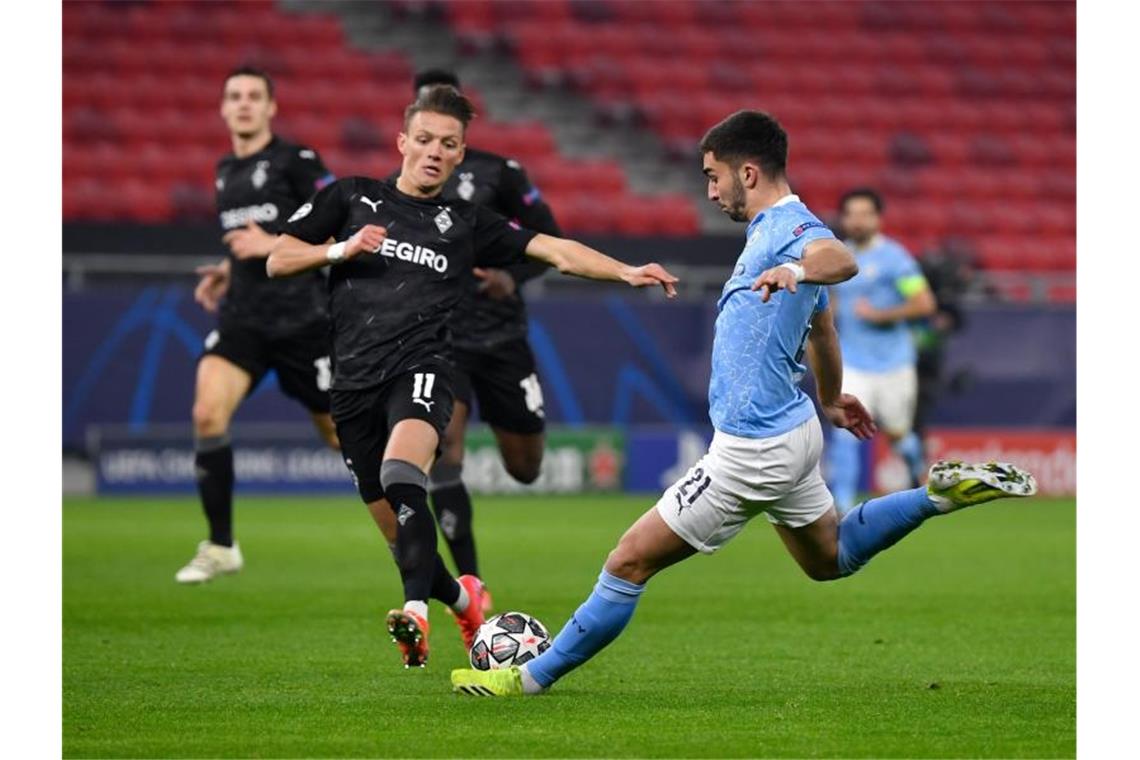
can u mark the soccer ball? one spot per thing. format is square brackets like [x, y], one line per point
[508, 639]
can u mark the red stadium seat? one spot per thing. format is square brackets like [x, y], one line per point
[980, 95]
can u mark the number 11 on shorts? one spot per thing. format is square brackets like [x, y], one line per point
[421, 390]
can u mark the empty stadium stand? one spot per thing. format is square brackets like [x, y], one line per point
[964, 114]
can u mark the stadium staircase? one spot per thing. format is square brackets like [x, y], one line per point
[962, 113]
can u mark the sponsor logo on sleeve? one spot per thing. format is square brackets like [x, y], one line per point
[805, 227]
[301, 213]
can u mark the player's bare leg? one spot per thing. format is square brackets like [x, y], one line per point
[815, 547]
[385, 520]
[522, 453]
[646, 548]
[326, 429]
[403, 473]
[219, 389]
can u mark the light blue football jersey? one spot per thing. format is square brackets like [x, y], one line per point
[886, 273]
[758, 347]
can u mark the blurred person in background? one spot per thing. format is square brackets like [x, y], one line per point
[949, 272]
[262, 325]
[874, 310]
[494, 364]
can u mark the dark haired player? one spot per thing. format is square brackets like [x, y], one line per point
[403, 260]
[262, 325]
[873, 314]
[493, 360]
[764, 457]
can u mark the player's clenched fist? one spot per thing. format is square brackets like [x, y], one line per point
[366, 240]
[651, 274]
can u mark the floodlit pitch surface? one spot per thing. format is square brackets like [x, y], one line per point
[958, 642]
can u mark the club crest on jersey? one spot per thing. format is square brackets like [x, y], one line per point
[260, 175]
[466, 187]
[442, 221]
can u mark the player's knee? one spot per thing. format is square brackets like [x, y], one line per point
[823, 571]
[210, 419]
[525, 469]
[625, 563]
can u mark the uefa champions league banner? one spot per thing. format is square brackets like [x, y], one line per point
[289, 458]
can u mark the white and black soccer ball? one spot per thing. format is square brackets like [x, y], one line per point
[508, 639]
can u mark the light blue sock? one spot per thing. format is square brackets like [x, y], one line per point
[594, 625]
[843, 468]
[880, 523]
[910, 449]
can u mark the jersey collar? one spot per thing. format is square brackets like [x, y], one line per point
[789, 198]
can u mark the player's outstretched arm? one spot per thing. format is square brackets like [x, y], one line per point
[842, 409]
[290, 255]
[571, 257]
[824, 262]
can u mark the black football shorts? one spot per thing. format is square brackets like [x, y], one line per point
[300, 359]
[365, 418]
[504, 382]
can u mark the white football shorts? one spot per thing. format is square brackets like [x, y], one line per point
[741, 477]
[890, 397]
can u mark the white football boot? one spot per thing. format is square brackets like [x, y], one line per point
[954, 485]
[210, 561]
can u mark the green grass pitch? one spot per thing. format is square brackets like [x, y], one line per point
[958, 642]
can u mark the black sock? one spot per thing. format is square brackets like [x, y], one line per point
[214, 469]
[443, 586]
[415, 539]
[453, 510]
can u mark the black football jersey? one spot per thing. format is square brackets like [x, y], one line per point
[502, 185]
[390, 309]
[267, 188]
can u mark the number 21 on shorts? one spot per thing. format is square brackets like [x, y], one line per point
[689, 490]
